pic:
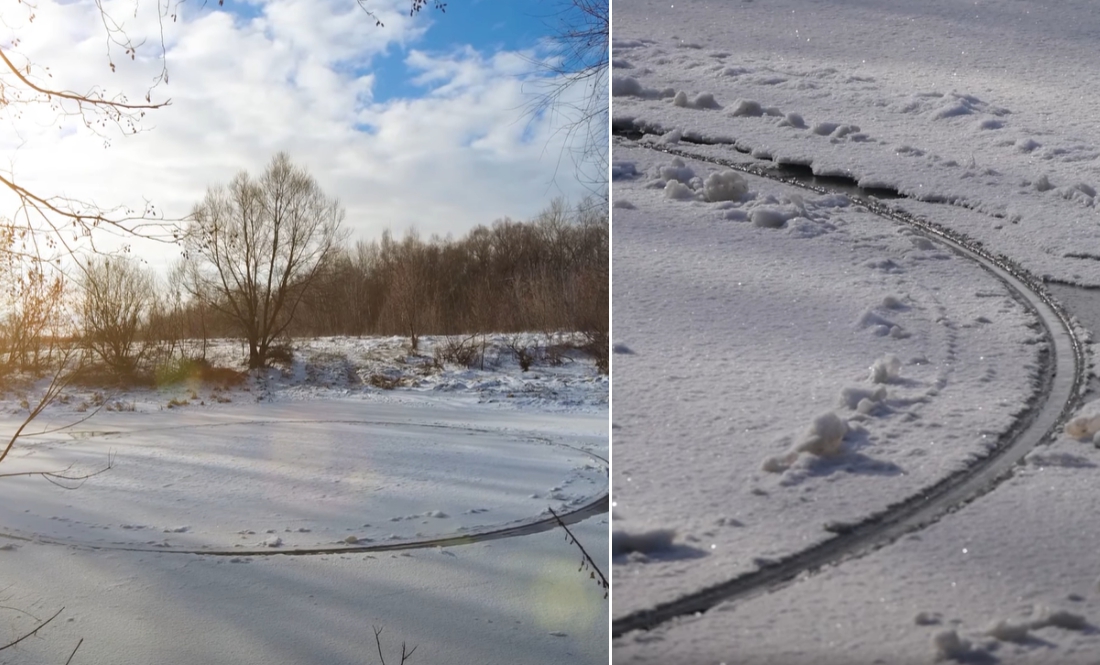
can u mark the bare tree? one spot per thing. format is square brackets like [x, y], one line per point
[578, 91]
[410, 304]
[259, 244]
[49, 226]
[118, 296]
[35, 295]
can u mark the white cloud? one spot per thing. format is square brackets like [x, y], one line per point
[296, 77]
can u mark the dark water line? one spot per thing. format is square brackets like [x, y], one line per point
[801, 172]
[1079, 301]
[594, 508]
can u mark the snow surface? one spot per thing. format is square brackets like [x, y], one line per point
[308, 456]
[983, 114]
[748, 418]
[989, 106]
[1014, 573]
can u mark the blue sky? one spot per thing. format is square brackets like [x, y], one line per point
[445, 95]
[486, 25]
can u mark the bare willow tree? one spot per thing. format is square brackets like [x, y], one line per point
[410, 304]
[259, 244]
[118, 296]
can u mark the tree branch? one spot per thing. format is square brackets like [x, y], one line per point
[587, 559]
[36, 629]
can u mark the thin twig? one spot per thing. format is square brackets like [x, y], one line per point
[72, 424]
[603, 579]
[55, 476]
[57, 383]
[16, 609]
[38, 628]
[74, 651]
[378, 641]
[83, 99]
[404, 655]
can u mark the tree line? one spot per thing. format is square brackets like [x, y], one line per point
[266, 258]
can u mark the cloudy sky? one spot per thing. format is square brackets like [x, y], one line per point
[423, 123]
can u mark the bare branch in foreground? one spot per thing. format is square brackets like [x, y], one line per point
[36, 629]
[56, 476]
[587, 561]
[58, 382]
[405, 655]
[70, 659]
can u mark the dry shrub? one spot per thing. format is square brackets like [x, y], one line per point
[387, 382]
[525, 353]
[281, 354]
[197, 370]
[463, 351]
[101, 375]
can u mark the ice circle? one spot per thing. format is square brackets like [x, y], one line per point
[285, 485]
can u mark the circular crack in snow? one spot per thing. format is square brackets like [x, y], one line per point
[301, 485]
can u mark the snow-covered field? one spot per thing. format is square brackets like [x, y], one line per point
[744, 315]
[277, 521]
[986, 105]
[758, 333]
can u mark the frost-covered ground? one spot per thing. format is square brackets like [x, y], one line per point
[984, 112]
[1011, 578]
[735, 341]
[312, 455]
[986, 105]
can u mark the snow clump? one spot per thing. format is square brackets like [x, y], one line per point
[623, 86]
[853, 396]
[1019, 631]
[678, 171]
[748, 108]
[824, 436]
[793, 120]
[1045, 616]
[725, 186]
[678, 191]
[672, 137]
[1085, 425]
[880, 325]
[621, 170]
[628, 86]
[1009, 631]
[886, 369]
[769, 218]
[949, 646]
[1027, 145]
[704, 100]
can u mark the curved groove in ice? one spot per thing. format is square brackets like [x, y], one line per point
[598, 505]
[1061, 383]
